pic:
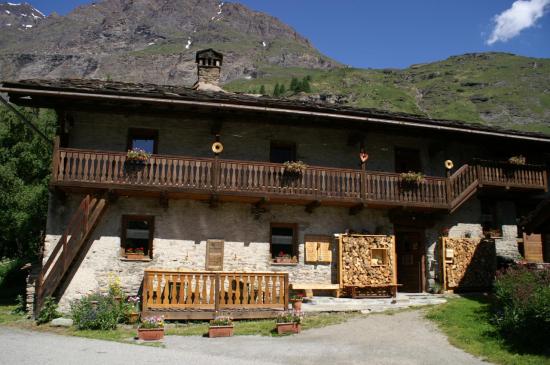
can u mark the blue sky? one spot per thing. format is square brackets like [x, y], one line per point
[398, 33]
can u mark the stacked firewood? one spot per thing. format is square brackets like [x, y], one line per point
[359, 268]
[473, 263]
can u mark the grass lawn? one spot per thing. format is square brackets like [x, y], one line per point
[466, 322]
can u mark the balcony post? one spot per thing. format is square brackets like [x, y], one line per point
[363, 180]
[55, 159]
[216, 173]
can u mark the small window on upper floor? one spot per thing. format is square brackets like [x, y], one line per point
[281, 152]
[145, 139]
[407, 159]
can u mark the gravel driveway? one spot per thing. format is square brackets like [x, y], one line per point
[402, 338]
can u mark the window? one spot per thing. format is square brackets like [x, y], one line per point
[145, 139]
[280, 152]
[137, 236]
[407, 159]
[283, 243]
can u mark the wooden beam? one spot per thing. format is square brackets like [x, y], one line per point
[312, 206]
[164, 200]
[214, 201]
[260, 207]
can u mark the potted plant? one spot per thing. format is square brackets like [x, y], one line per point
[492, 233]
[519, 160]
[411, 180]
[284, 258]
[151, 329]
[135, 253]
[221, 326]
[293, 171]
[288, 322]
[296, 298]
[133, 314]
[137, 155]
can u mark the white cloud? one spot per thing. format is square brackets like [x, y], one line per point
[522, 15]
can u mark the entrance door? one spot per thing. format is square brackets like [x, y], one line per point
[410, 260]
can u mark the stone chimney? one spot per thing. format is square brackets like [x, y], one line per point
[209, 63]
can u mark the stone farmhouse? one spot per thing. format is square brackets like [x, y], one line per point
[202, 200]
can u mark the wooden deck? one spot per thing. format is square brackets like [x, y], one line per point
[186, 295]
[252, 181]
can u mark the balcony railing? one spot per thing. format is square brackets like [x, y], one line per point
[111, 170]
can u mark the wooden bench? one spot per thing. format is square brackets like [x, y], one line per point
[374, 291]
[310, 287]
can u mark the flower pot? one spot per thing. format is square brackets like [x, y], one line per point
[220, 331]
[291, 327]
[150, 334]
[297, 305]
[135, 256]
[133, 317]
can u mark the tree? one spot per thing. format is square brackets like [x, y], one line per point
[305, 87]
[276, 90]
[294, 85]
[24, 174]
[282, 89]
[262, 90]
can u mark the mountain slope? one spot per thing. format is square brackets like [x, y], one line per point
[490, 88]
[19, 16]
[152, 41]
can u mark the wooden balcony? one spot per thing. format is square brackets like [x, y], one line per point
[250, 181]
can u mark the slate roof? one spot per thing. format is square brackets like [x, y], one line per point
[91, 86]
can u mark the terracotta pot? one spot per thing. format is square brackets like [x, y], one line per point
[133, 317]
[297, 305]
[283, 328]
[150, 334]
[135, 256]
[220, 331]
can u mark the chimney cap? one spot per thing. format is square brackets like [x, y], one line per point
[208, 53]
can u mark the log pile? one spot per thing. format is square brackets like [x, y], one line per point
[473, 263]
[358, 267]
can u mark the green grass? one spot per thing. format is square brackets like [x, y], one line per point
[467, 323]
[263, 327]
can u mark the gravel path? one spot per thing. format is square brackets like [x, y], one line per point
[402, 338]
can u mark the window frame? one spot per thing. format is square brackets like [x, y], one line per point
[125, 219]
[295, 250]
[282, 144]
[142, 133]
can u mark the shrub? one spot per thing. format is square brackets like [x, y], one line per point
[97, 312]
[48, 311]
[522, 306]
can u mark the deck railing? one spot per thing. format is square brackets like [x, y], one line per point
[216, 291]
[251, 178]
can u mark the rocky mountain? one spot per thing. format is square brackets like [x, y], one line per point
[151, 41]
[156, 40]
[19, 16]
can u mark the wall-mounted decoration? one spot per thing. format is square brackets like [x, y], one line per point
[214, 255]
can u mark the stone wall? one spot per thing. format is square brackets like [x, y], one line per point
[321, 146]
[181, 232]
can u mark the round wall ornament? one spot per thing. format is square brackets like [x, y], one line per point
[217, 147]
[363, 156]
[449, 164]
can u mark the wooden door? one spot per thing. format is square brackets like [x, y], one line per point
[410, 253]
[532, 247]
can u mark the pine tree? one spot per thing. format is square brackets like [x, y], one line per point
[276, 90]
[294, 84]
[282, 89]
[262, 90]
[305, 85]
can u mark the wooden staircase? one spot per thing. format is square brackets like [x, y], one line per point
[78, 231]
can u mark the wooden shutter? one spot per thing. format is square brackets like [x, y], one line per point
[214, 255]
[317, 249]
[532, 247]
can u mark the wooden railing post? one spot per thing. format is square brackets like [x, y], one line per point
[363, 181]
[217, 294]
[286, 291]
[216, 173]
[55, 159]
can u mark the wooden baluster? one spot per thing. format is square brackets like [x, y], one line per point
[260, 290]
[222, 289]
[197, 279]
[281, 289]
[273, 295]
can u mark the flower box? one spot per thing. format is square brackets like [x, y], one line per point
[290, 327]
[135, 256]
[150, 334]
[220, 331]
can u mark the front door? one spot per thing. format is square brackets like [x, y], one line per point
[410, 260]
